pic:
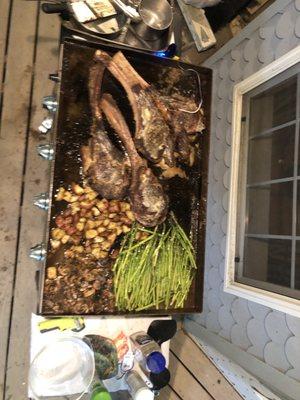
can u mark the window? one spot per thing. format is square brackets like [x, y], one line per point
[263, 246]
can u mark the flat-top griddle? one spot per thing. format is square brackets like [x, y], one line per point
[187, 197]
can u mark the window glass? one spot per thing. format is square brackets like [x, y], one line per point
[268, 260]
[270, 209]
[274, 106]
[272, 156]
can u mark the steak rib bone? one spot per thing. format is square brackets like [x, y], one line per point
[153, 138]
[103, 164]
[149, 202]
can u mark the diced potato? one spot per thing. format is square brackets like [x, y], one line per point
[97, 223]
[112, 215]
[78, 249]
[57, 233]
[126, 228]
[67, 196]
[91, 195]
[73, 198]
[102, 204]
[77, 189]
[54, 244]
[65, 239]
[51, 273]
[124, 206]
[91, 233]
[87, 204]
[60, 194]
[106, 245]
[112, 225]
[106, 222]
[118, 230]
[80, 226]
[101, 229]
[95, 211]
[130, 215]
[112, 237]
[98, 239]
[99, 254]
[75, 207]
[90, 224]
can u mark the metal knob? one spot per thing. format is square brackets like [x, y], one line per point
[54, 77]
[42, 201]
[46, 151]
[46, 125]
[38, 252]
[50, 103]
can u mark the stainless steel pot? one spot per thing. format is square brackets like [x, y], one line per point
[153, 18]
[156, 18]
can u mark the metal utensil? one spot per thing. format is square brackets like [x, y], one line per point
[156, 17]
[131, 12]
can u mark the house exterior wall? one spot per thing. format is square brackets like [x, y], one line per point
[270, 337]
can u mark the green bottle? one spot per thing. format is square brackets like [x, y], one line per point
[100, 393]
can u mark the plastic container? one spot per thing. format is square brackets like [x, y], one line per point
[148, 352]
[137, 387]
[100, 393]
[65, 366]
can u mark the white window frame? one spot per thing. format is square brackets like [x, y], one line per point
[276, 301]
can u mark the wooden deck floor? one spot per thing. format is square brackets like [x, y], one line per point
[28, 53]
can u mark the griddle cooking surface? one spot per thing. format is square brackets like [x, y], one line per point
[187, 197]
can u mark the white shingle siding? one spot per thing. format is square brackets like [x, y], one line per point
[269, 335]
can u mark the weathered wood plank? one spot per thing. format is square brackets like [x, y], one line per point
[4, 21]
[201, 367]
[183, 383]
[168, 394]
[13, 135]
[32, 219]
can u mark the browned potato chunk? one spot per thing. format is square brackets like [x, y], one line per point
[54, 244]
[125, 228]
[130, 215]
[67, 196]
[102, 204]
[51, 273]
[91, 195]
[90, 224]
[99, 254]
[111, 238]
[106, 222]
[98, 239]
[112, 225]
[60, 194]
[65, 239]
[91, 233]
[78, 249]
[57, 233]
[106, 245]
[95, 211]
[77, 189]
[80, 226]
[124, 206]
